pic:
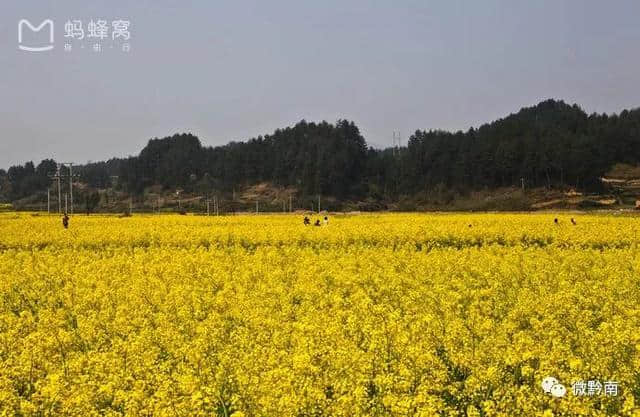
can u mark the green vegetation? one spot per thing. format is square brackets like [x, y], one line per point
[551, 145]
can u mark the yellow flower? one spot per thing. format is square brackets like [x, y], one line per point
[381, 314]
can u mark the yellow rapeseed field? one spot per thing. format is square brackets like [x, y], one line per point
[372, 315]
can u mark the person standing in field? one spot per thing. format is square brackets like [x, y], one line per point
[307, 222]
[65, 221]
[326, 221]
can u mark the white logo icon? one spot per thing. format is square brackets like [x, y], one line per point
[25, 22]
[550, 385]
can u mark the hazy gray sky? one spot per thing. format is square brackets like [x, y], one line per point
[231, 70]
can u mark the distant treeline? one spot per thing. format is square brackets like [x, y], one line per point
[552, 145]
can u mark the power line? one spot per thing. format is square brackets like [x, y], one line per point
[57, 177]
[396, 143]
[71, 176]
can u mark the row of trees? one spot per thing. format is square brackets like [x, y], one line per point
[24, 180]
[314, 158]
[552, 144]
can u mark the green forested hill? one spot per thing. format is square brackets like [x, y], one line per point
[551, 145]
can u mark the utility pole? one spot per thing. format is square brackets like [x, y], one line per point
[71, 176]
[290, 204]
[71, 185]
[318, 203]
[522, 181]
[393, 144]
[48, 201]
[66, 207]
[257, 211]
[56, 176]
[208, 209]
[396, 143]
[59, 192]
